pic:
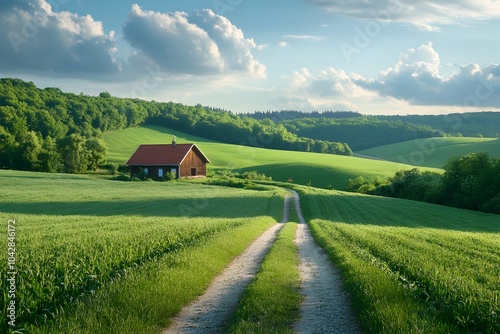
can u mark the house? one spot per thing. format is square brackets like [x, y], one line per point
[185, 160]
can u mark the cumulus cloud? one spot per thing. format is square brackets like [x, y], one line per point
[417, 80]
[423, 14]
[329, 83]
[201, 44]
[36, 39]
[330, 89]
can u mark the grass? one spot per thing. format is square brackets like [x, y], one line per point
[411, 267]
[434, 152]
[78, 234]
[271, 303]
[319, 170]
[146, 300]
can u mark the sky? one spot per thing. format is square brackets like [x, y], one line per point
[371, 56]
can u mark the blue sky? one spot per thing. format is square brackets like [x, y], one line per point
[375, 57]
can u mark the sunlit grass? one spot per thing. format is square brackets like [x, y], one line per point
[434, 152]
[412, 267]
[319, 170]
[77, 235]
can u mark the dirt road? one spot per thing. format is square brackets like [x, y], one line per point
[210, 312]
[326, 306]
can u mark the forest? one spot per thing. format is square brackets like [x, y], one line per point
[52, 131]
[469, 182]
[363, 132]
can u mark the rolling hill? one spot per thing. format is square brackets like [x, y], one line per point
[320, 170]
[434, 152]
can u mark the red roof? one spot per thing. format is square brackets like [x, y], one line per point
[163, 154]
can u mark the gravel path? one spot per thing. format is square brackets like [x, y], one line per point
[210, 312]
[326, 307]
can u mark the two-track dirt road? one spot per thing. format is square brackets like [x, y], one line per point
[326, 307]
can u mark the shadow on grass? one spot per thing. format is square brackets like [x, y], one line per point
[213, 207]
[392, 212]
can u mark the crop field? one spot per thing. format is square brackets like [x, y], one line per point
[412, 267]
[77, 237]
[434, 152]
[319, 170]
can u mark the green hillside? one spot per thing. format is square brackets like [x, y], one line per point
[322, 170]
[434, 152]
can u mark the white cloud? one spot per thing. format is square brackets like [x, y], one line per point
[283, 44]
[423, 14]
[305, 37]
[35, 39]
[201, 44]
[414, 81]
[417, 80]
[331, 89]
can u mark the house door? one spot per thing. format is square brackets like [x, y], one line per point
[193, 171]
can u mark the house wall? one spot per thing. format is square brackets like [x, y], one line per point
[153, 170]
[192, 160]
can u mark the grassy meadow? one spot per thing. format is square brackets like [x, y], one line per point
[434, 152]
[412, 267]
[76, 235]
[319, 170]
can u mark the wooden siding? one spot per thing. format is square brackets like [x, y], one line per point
[193, 160]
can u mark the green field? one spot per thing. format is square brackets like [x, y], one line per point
[434, 152]
[320, 170]
[412, 267]
[75, 235]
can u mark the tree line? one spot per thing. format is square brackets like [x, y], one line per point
[468, 182]
[475, 124]
[363, 132]
[52, 131]
[359, 132]
[226, 127]
[294, 114]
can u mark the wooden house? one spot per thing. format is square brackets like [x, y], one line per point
[185, 160]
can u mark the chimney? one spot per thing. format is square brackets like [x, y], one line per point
[174, 141]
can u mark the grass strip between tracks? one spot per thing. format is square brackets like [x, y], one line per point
[271, 303]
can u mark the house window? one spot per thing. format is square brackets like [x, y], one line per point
[146, 171]
[174, 170]
[193, 171]
[160, 172]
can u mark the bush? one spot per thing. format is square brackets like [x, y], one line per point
[469, 182]
[254, 175]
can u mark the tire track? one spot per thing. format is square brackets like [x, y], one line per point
[326, 307]
[210, 312]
